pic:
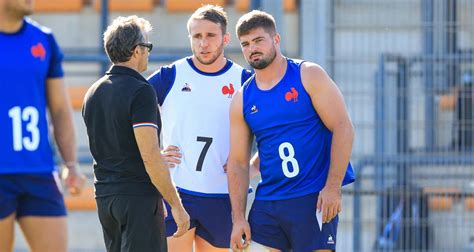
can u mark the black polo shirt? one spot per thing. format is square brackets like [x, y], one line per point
[113, 106]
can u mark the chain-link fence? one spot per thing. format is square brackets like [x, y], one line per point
[406, 68]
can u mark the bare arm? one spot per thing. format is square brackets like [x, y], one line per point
[329, 103]
[238, 172]
[61, 118]
[147, 141]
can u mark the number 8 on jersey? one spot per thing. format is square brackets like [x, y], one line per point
[290, 158]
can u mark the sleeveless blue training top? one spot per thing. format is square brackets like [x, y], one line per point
[293, 143]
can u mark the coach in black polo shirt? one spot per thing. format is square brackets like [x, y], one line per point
[121, 114]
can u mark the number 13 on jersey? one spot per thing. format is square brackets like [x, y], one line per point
[287, 155]
[30, 116]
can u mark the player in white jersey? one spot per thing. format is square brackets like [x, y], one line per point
[194, 94]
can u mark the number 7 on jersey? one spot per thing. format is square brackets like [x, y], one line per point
[208, 142]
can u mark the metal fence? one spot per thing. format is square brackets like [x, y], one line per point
[406, 68]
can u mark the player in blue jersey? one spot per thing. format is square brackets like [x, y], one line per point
[30, 84]
[194, 94]
[304, 137]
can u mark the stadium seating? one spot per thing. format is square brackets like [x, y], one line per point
[144, 5]
[76, 96]
[469, 203]
[447, 102]
[244, 5]
[58, 5]
[289, 5]
[440, 203]
[127, 5]
[440, 198]
[189, 5]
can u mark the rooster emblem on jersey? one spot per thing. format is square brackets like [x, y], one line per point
[291, 95]
[38, 51]
[228, 90]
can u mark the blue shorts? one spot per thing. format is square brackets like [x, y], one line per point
[291, 224]
[211, 216]
[31, 195]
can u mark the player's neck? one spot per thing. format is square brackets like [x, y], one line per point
[9, 24]
[268, 77]
[220, 62]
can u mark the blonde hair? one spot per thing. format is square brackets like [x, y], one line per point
[213, 13]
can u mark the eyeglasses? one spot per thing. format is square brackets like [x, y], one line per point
[148, 45]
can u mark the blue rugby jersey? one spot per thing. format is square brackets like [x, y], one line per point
[293, 143]
[30, 56]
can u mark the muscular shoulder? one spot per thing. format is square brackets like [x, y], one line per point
[310, 69]
[313, 76]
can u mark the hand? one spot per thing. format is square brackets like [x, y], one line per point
[240, 237]
[172, 156]
[329, 201]
[73, 179]
[181, 217]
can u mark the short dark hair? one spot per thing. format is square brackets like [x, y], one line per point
[213, 13]
[123, 35]
[255, 19]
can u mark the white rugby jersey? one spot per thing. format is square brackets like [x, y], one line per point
[195, 117]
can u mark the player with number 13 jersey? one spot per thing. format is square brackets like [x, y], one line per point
[25, 139]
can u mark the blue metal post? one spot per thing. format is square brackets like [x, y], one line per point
[402, 119]
[331, 47]
[427, 10]
[380, 135]
[450, 41]
[275, 8]
[255, 4]
[357, 225]
[104, 22]
[315, 33]
[380, 107]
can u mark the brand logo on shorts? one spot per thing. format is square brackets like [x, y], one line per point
[330, 240]
[254, 109]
